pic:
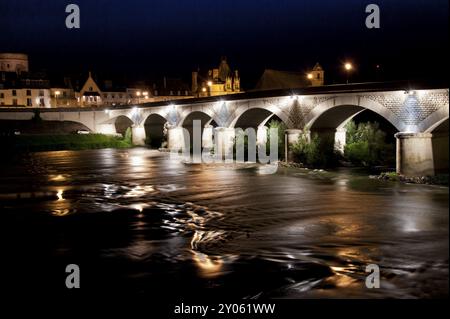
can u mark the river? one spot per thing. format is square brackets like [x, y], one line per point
[137, 222]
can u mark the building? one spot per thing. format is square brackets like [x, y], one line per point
[274, 79]
[13, 62]
[21, 88]
[218, 81]
[316, 76]
[106, 94]
[24, 89]
[63, 94]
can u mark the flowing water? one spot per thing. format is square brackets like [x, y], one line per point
[136, 221]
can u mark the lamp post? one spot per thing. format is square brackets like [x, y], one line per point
[310, 76]
[348, 68]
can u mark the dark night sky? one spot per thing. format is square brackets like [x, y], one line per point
[172, 37]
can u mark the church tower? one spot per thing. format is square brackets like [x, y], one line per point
[316, 76]
[236, 82]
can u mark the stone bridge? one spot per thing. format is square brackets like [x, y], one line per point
[419, 112]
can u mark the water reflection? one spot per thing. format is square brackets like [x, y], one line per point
[237, 228]
[59, 194]
[209, 267]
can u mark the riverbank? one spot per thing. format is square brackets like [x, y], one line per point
[439, 179]
[39, 143]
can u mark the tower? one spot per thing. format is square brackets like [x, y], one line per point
[228, 86]
[316, 76]
[224, 70]
[194, 87]
[236, 82]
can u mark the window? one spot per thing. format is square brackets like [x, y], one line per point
[27, 81]
[186, 92]
[41, 92]
[171, 92]
[2, 103]
[14, 101]
[64, 94]
[318, 76]
[14, 93]
[28, 92]
[29, 103]
[90, 88]
[179, 92]
[41, 102]
[2, 95]
[155, 93]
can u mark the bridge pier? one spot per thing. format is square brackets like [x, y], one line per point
[138, 135]
[108, 129]
[207, 137]
[414, 154]
[224, 142]
[175, 139]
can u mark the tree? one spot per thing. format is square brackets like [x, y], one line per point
[366, 144]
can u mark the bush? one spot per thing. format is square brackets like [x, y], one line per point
[315, 151]
[35, 143]
[366, 145]
[128, 137]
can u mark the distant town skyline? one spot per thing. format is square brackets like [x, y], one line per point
[138, 39]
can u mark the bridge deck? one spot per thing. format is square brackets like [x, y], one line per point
[325, 89]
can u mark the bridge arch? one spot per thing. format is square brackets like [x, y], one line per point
[329, 120]
[440, 143]
[435, 119]
[154, 130]
[254, 118]
[350, 106]
[122, 123]
[258, 114]
[207, 123]
[204, 114]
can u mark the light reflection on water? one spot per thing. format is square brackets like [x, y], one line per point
[231, 229]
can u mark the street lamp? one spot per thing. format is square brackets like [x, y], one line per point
[145, 94]
[209, 83]
[56, 97]
[309, 76]
[348, 68]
